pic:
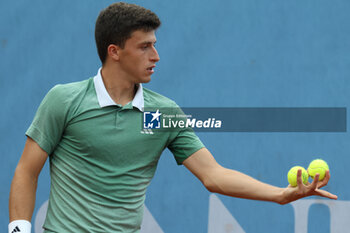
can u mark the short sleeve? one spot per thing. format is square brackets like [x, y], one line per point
[184, 142]
[184, 145]
[50, 120]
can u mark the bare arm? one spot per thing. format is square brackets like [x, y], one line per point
[24, 183]
[236, 184]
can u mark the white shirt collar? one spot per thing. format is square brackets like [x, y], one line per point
[105, 100]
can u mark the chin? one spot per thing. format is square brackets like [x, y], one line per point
[146, 80]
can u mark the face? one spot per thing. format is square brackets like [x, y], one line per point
[138, 57]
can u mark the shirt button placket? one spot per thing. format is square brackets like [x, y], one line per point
[117, 116]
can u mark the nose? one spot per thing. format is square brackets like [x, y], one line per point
[155, 56]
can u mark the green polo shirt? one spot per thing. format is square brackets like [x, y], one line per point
[101, 158]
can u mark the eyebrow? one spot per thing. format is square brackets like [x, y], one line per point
[147, 42]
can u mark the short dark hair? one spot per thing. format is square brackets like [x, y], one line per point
[117, 22]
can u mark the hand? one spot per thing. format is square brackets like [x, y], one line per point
[294, 193]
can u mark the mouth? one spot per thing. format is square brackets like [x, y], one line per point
[151, 68]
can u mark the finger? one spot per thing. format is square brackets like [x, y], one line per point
[324, 182]
[299, 180]
[326, 194]
[315, 181]
[328, 174]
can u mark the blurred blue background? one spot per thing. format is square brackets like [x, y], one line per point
[240, 53]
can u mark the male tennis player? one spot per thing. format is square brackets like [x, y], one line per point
[100, 161]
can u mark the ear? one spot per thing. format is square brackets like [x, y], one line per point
[113, 52]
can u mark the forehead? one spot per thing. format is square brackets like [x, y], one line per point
[140, 36]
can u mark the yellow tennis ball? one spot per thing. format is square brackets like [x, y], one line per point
[318, 166]
[292, 175]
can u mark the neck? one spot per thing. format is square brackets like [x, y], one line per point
[120, 89]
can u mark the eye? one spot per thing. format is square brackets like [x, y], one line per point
[144, 47]
[148, 45]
